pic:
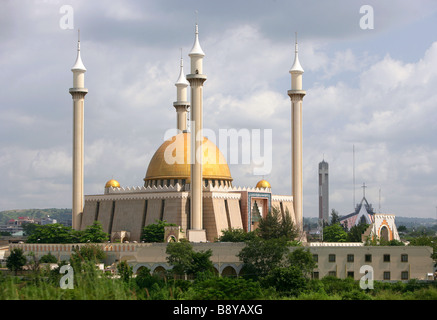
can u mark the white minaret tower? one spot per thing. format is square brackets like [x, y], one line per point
[181, 105]
[296, 95]
[78, 93]
[196, 79]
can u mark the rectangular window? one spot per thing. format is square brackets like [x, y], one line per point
[350, 258]
[386, 258]
[404, 275]
[331, 258]
[386, 275]
[315, 275]
[332, 273]
[404, 257]
[316, 257]
[368, 258]
[350, 274]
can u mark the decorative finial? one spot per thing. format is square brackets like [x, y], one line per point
[78, 39]
[78, 65]
[296, 68]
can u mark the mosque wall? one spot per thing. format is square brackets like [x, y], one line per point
[128, 216]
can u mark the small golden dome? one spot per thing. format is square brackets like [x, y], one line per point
[263, 184]
[178, 150]
[112, 183]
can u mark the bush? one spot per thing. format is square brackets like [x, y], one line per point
[48, 258]
[225, 289]
[289, 281]
[356, 294]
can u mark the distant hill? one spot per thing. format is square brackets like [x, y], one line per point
[61, 215]
[400, 221]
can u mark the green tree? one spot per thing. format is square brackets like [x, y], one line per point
[302, 259]
[335, 218]
[93, 233]
[87, 253]
[16, 260]
[226, 289]
[52, 233]
[185, 260]
[355, 233]
[260, 256]
[155, 232]
[236, 235]
[48, 258]
[334, 233]
[274, 225]
[288, 280]
[125, 271]
[29, 228]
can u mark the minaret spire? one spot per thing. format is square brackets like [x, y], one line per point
[196, 232]
[78, 93]
[181, 105]
[296, 95]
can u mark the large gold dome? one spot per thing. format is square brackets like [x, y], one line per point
[172, 161]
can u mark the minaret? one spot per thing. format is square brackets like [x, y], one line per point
[181, 105]
[78, 93]
[296, 95]
[196, 79]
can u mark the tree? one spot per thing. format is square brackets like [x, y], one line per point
[89, 252]
[288, 280]
[274, 225]
[334, 233]
[236, 235]
[302, 259]
[16, 260]
[93, 233]
[355, 233]
[48, 258]
[260, 256]
[185, 260]
[334, 217]
[125, 271]
[155, 232]
[53, 233]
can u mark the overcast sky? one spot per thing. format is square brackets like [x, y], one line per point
[374, 90]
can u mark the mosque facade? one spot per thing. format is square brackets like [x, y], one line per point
[198, 195]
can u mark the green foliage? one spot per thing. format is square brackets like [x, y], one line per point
[287, 280]
[93, 233]
[236, 235]
[185, 260]
[225, 289]
[88, 254]
[125, 271]
[145, 279]
[53, 233]
[302, 259]
[274, 226]
[355, 233]
[155, 232]
[16, 260]
[58, 233]
[260, 256]
[334, 233]
[48, 258]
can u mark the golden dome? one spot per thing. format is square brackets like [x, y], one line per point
[112, 183]
[172, 160]
[263, 184]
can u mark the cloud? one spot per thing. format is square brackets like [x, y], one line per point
[371, 98]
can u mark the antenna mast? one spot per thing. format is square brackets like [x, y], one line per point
[353, 172]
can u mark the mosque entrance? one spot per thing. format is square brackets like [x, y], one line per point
[384, 234]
